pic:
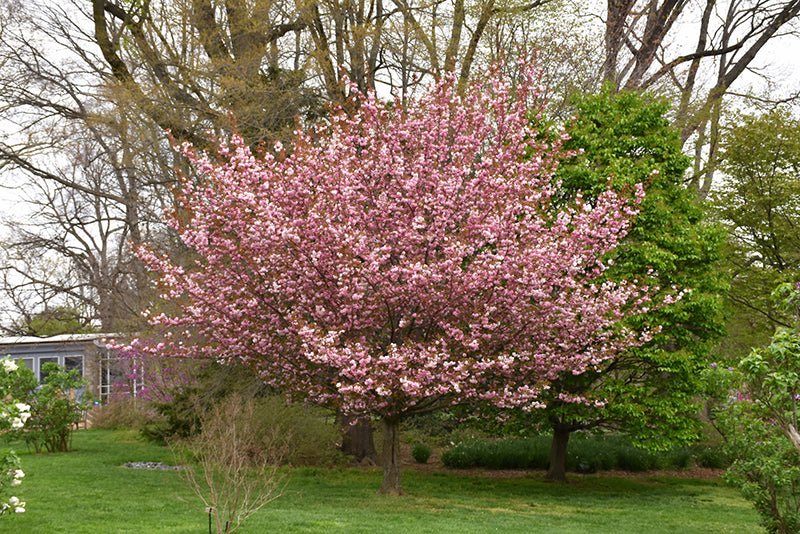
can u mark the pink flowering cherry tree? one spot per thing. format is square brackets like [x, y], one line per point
[397, 260]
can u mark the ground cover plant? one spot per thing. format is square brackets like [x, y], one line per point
[87, 491]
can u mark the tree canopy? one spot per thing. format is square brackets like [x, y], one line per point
[401, 260]
[648, 391]
[759, 203]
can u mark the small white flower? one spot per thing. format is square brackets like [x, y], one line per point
[19, 510]
[17, 423]
[13, 501]
[19, 473]
[9, 365]
[16, 482]
[22, 407]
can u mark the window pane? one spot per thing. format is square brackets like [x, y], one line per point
[42, 362]
[27, 362]
[74, 362]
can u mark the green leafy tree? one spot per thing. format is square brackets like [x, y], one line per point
[56, 321]
[760, 423]
[649, 392]
[759, 203]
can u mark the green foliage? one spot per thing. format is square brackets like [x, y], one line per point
[56, 321]
[312, 433]
[22, 384]
[421, 453]
[312, 436]
[438, 425]
[9, 466]
[13, 415]
[57, 405]
[205, 386]
[759, 203]
[766, 467]
[588, 454]
[177, 417]
[714, 457]
[760, 422]
[529, 453]
[648, 392]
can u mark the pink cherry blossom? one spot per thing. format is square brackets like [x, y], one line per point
[399, 259]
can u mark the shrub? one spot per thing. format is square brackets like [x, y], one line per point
[314, 436]
[13, 415]
[766, 468]
[529, 453]
[679, 458]
[57, 405]
[202, 385]
[711, 456]
[436, 427]
[177, 417]
[312, 433]
[123, 413]
[462, 456]
[232, 463]
[757, 411]
[632, 459]
[590, 453]
[587, 454]
[421, 453]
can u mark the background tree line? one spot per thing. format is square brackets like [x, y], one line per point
[92, 92]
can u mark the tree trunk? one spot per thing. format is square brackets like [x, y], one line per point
[391, 457]
[794, 436]
[557, 471]
[357, 439]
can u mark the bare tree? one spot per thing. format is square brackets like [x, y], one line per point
[643, 51]
[88, 175]
[200, 66]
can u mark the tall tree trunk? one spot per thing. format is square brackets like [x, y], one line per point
[558, 454]
[391, 457]
[357, 439]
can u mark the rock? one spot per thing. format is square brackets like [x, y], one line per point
[158, 466]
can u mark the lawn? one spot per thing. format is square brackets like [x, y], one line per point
[86, 491]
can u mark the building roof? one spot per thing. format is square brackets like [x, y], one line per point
[63, 338]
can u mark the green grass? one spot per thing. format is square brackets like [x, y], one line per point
[86, 491]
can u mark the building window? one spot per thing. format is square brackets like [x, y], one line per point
[36, 364]
[72, 363]
[44, 361]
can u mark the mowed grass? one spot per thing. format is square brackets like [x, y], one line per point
[87, 491]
